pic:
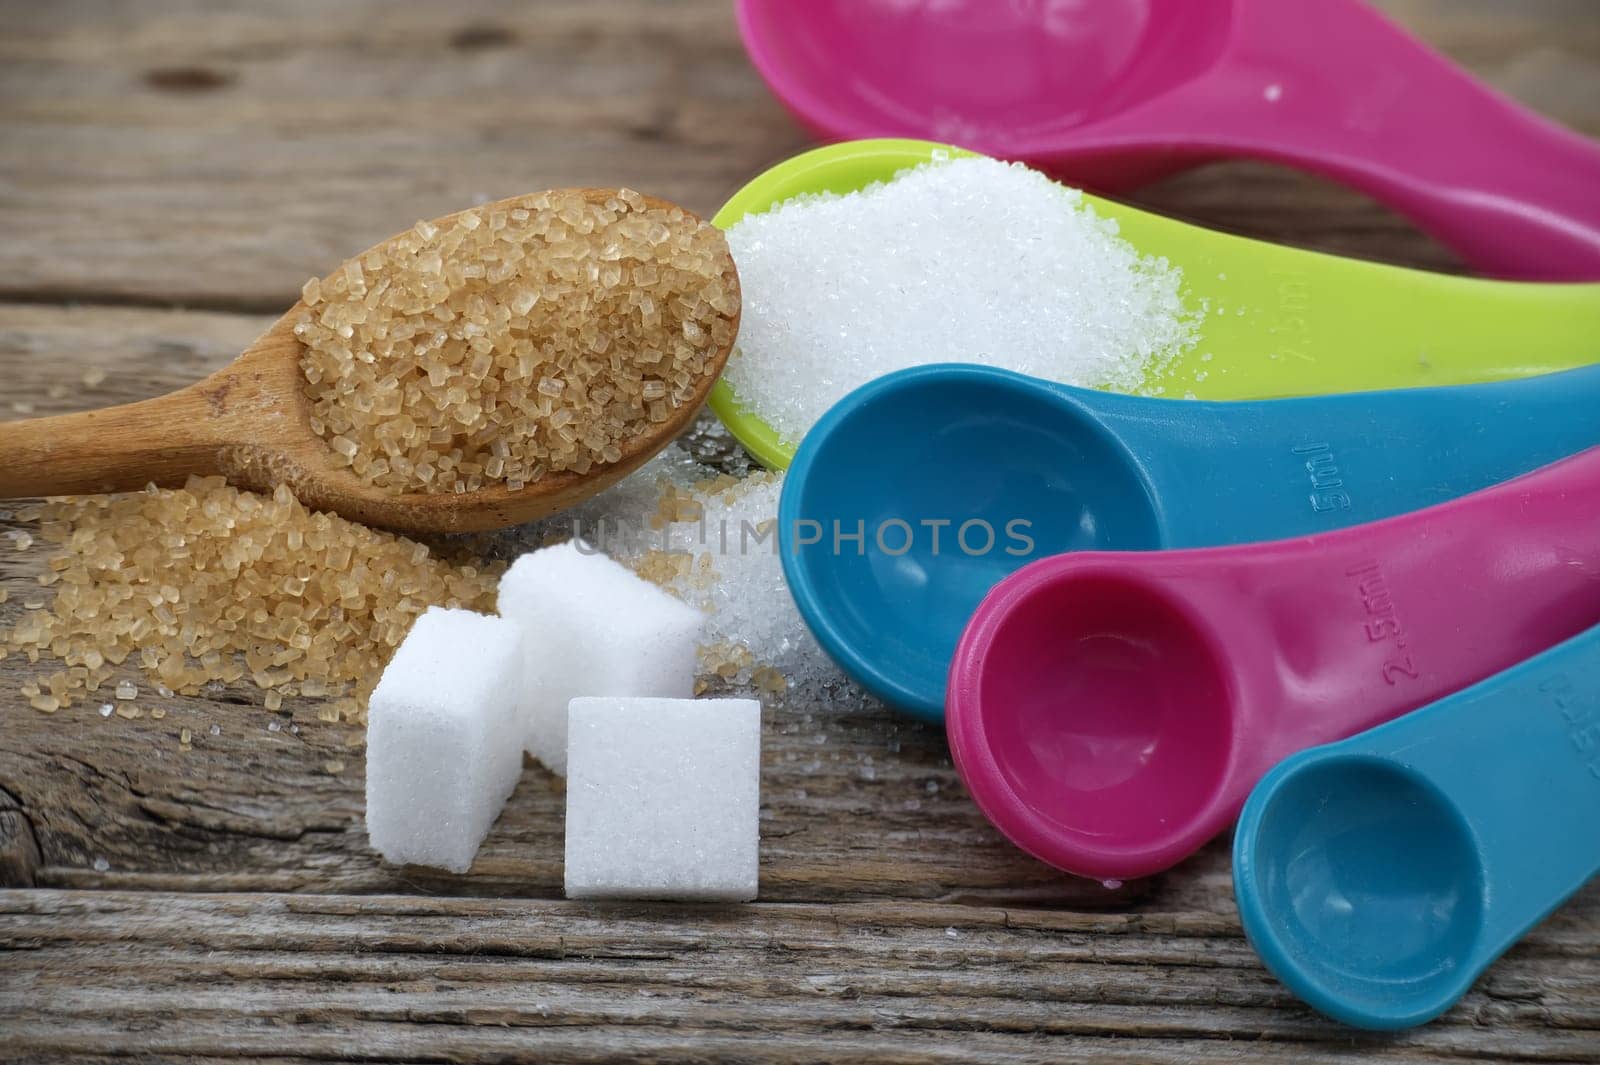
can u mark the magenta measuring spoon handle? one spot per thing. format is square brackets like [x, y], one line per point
[1110, 712]
[1333, 87]
[1373, 621]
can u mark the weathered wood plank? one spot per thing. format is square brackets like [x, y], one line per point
[217, 154]
[435, 978]
[220, 153]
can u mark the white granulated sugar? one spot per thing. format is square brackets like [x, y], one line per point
[734, 573]
[737, 576]
[590, 626]
[966, 260]
[631, 499]
[663, 798]
[444, 738]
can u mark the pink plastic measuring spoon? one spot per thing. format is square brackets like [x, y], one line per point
[1110, 712]
[1112, 93]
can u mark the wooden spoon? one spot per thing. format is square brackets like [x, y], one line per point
[250, 422]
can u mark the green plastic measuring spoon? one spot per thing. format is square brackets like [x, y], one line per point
[1312, 323]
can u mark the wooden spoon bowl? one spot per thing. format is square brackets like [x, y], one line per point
[250, 422]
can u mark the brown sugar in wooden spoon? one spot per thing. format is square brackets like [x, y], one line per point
[511, 360]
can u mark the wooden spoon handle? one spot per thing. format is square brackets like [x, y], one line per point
[117, 449]
[124, 448]
[237, 422]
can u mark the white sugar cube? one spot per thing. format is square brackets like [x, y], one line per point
[444, 738]
[663, 798]
[591, 626]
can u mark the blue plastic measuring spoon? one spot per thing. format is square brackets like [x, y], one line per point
[1378, 876]
[917, 493]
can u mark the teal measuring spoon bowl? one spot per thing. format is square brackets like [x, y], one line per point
[917, 493]
[1378, 876]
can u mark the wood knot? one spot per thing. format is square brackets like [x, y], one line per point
[482, 36]
[19, 850]
[186, 79]
[217, 398]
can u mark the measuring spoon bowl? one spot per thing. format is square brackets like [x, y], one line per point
[1378, 877]
[918, 493]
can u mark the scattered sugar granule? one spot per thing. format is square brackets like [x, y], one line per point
[532, 337]
[158, 713]
[101, 865]
[93, 376]
[966, 260]
[105, 709]
[20, 540]
[718, 550]
[208, 585]
[616, 519]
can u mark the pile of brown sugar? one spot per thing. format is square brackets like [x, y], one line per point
[527, 337]
[209, 583]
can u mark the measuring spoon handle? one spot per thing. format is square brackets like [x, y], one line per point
[1335, 88]
[1227, 473]
[1374, 621]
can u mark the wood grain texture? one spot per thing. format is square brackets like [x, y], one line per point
[217, 154]
[221, 904]
[450, 979]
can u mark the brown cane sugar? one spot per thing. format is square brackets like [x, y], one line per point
[208, 583]
[527, 337]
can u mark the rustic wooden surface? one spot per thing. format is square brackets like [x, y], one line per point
[222, 903]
